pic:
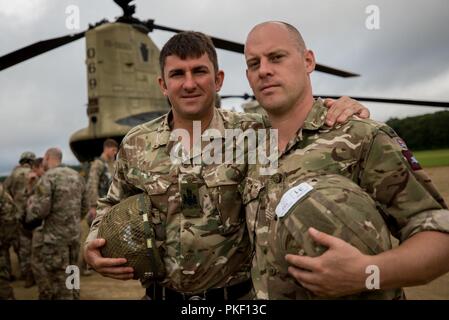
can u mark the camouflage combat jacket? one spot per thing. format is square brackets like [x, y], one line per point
[364, 151]
[199, 206]
[8, 217]
[59, 200]
[16, 185]
[99, 180]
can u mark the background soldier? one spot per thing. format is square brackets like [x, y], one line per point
[98, 182]
[100, 176]
[37, 171]
[8, 229]
[17, 186]
[59, 200]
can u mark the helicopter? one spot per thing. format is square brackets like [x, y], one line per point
[121, 64]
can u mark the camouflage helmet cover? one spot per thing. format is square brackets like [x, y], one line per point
[335, 205]
[27, 155]
[129, 233]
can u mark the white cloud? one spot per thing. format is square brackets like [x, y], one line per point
[22, 11]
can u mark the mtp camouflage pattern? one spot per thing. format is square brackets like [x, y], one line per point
[99, 180]
[332, 204]
[198, 207]
[8, 230]
[17, 186]
[367, 152]
[59, 200]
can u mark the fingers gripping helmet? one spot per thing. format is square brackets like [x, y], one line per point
[130, 233]
[332, 204]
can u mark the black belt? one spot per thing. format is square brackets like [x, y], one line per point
[234, 292]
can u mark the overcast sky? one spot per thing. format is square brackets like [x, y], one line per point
[43, 100]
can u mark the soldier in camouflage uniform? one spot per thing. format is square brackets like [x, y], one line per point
[16, 185]
[59, 201]
[332, 204]
[206, 244]
[100, 176]
[197, 205]
[8, 229]
[364, 151]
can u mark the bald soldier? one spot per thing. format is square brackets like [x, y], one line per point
[196, 206]
[17, 185]
[59, 201]
[366, 152]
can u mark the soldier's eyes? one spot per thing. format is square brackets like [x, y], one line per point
[253, 65]
[277, 57]
[175, 74]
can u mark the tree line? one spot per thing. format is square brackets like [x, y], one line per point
[425, 132]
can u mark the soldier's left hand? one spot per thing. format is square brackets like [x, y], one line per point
[342, 109]
[337, 272]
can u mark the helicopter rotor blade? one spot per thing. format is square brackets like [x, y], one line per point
[335, 72]
[239, 48]
[218, 43]
[423, 103]
[35, 49]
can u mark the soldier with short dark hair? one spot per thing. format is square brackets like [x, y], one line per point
[100, 176]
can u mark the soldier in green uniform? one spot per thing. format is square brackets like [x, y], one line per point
[367, 152]
[17, 185]
[58, 200]
[197, 206]
[100, 176]
[8, 229]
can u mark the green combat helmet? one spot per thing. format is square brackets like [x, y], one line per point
[332, 204]
[129, 233]
[27, 156]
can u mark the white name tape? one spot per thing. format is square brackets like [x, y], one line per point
[291, 197]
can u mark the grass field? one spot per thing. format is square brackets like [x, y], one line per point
[433, 158]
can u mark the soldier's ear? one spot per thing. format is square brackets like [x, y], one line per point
[309, 59]
[162, 86]
[219, 78]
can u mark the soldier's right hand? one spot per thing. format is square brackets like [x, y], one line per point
[108, 267]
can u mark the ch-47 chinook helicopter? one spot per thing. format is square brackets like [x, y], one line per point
[122, 63]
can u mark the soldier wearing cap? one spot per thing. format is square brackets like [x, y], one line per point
[17, 186]
[367, 152]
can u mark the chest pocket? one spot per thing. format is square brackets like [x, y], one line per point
[223, 186]
[251, 193]
[159, 187]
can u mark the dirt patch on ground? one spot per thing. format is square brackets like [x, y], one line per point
[97, 287]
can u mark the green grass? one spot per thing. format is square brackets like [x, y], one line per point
[433, 158]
